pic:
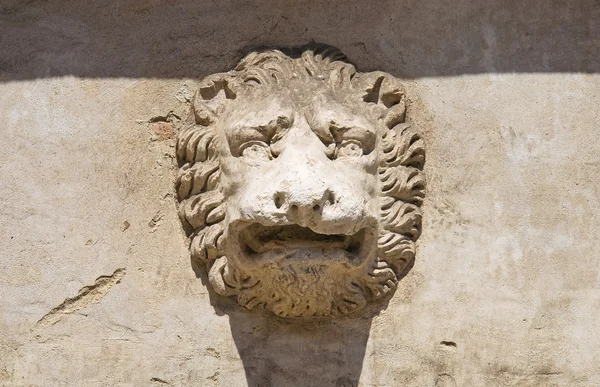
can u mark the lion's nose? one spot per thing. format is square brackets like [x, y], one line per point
[306, 208]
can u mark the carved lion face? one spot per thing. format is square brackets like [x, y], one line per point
[300, 183]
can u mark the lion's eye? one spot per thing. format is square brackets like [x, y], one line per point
[257, 150]
[350, 148]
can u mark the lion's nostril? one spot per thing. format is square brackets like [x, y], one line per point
[278, 199]
[294, 208]
[331, 197]
[317, 208]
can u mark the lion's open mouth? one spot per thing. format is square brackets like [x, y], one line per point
[297, 241]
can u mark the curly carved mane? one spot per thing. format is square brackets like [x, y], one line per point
[401, 151]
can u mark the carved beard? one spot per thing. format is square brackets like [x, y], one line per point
[301, 289]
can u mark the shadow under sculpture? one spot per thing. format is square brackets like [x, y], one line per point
[300, 186]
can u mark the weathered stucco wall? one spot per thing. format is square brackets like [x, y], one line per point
[97, 287]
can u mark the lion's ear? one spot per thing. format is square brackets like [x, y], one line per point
[386, 92]
[213, 95]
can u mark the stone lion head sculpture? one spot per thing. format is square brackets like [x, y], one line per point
[300, 183]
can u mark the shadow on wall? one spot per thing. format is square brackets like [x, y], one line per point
[190, 38]
[280, 352]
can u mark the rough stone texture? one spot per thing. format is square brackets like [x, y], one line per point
[98, 288]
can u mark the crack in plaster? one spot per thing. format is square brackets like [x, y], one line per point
[86, 296]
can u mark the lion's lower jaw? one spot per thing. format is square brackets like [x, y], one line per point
[307, 291]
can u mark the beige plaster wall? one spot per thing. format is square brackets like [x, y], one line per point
[96, 285]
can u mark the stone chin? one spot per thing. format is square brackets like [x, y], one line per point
[297, 272]
[300, 183]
